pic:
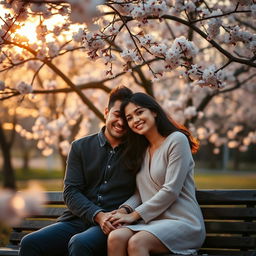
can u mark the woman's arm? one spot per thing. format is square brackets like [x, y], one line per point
[179, 163]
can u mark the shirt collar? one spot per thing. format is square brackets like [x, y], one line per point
[102, 139]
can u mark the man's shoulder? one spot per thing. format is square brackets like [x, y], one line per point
[85, 140]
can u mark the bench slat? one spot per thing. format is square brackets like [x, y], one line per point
[231, 227]
[227, 253]
[15, 236]
[229, 197]
[50, 212]
[33, 224]
[54, 197]
[4, 251]
[228, 213]
[231, 242]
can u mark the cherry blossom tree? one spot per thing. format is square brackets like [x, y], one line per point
[196, 57]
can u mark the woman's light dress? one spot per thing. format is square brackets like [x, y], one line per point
[165, 198]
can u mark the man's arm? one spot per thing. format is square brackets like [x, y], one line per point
[74, 185]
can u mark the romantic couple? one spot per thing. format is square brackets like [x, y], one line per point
[129, 189]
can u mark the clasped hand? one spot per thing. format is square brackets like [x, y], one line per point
[118, 219]
[112, 220]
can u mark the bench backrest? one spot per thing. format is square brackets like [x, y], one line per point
[230, 219]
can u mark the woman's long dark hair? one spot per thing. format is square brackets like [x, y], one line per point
[137, 144]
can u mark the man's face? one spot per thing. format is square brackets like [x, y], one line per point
[114, 124]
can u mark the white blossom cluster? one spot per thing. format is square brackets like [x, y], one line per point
[50, 84]
[210, 76]
[233, 34]
[131, 56]
[53, 49]
[236, 34]
[33, 65]
[253, 9]
[190, 112]
[214, 25]
[244, 2]
[83, 11]
[53, 133]
[4, 28]
[181, 5]
[146, 8]
[174, 55]
[96, 45]
[2, 85]
[41, 8]
[249, 139]
[79, 36]
[46, 50]
[48, 133]
[2, 33]
[24, 88]
[93, 42]
[141, 9]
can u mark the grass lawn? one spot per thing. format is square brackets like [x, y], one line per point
[204, 180]
[230, 180]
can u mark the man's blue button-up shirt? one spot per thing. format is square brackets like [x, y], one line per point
[95, 179]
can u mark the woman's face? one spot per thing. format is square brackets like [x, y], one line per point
[140, 120]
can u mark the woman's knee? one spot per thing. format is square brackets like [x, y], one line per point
[118, 237]
[136, 243]
[115, 236]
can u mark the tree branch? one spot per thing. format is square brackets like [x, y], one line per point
[66, 79]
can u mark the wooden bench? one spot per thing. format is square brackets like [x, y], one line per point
[230, 219]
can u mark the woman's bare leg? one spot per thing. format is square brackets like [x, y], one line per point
[143, 243]
[118, 241]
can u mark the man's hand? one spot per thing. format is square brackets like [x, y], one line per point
[102, 218]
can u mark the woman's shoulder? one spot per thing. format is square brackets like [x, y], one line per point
[177, 140]
[177, 136]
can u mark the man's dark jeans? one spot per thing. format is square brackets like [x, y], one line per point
[72, 238]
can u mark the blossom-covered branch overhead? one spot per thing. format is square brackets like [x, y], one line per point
[191, 50]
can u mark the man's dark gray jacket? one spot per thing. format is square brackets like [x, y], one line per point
[95, 179]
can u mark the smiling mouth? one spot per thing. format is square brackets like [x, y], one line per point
[139, 126]
[118, 129]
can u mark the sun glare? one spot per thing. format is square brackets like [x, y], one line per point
[28, 31]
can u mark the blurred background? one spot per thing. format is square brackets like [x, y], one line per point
[230, 168]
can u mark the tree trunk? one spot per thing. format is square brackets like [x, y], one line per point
[236, 159]
[25, 160]
[63, 163]
[8, 170]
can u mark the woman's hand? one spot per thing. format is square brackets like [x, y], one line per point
[118, 218]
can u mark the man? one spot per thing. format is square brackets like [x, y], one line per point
[96, 182]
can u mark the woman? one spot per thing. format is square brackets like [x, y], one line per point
[164, 213]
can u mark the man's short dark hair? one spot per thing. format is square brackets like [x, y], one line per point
[119, 93]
